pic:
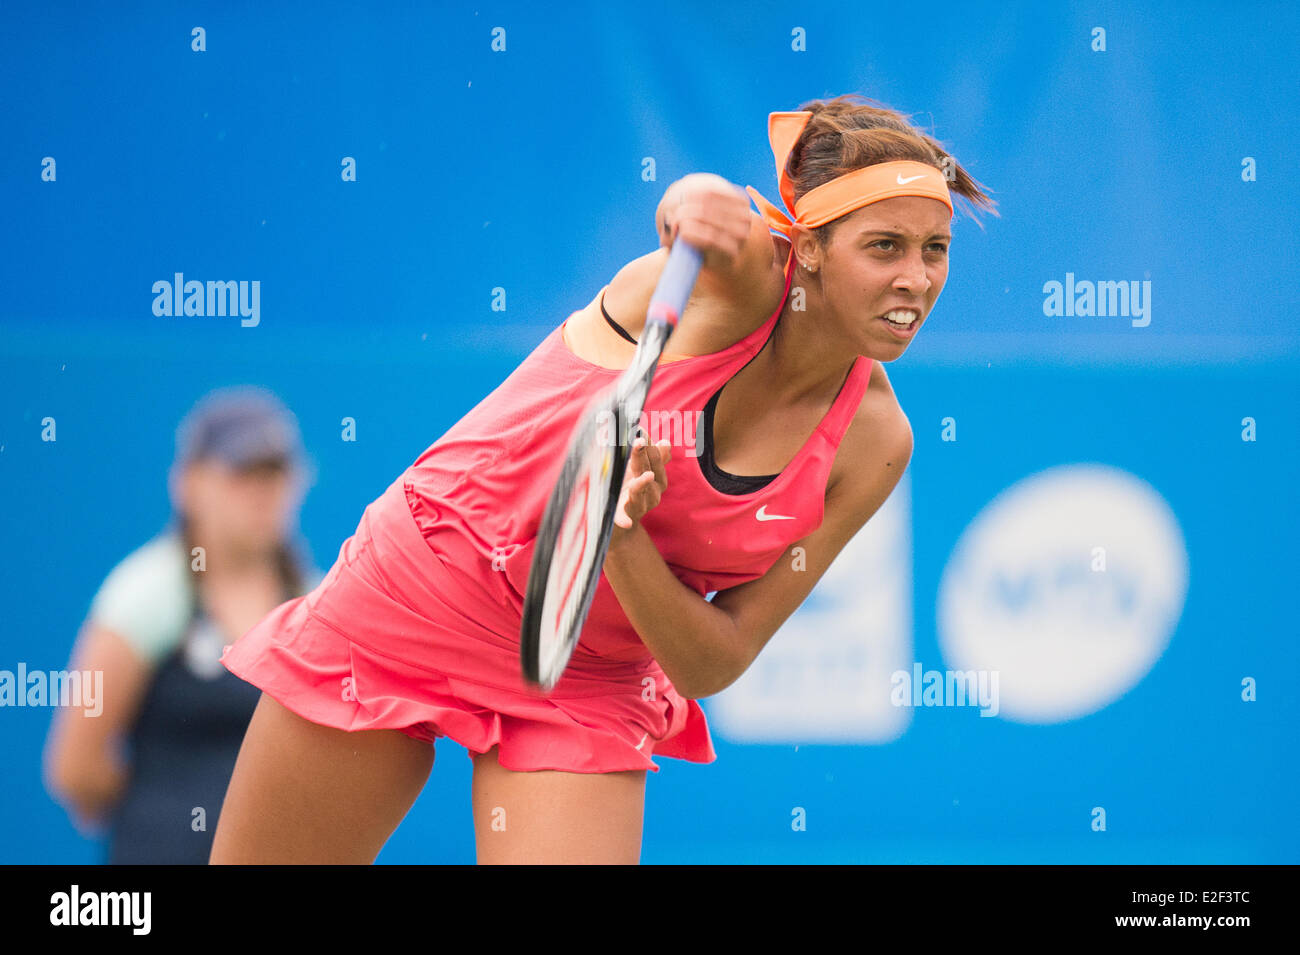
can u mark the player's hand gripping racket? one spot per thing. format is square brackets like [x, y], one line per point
[574, 534]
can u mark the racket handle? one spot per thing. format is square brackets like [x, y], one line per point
[675, 284]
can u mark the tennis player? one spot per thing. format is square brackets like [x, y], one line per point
[790, 437]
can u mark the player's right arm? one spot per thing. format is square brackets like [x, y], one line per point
[741, 279]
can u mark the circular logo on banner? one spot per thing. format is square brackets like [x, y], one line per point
[1068, 586]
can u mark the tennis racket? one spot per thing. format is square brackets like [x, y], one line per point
[574, 534]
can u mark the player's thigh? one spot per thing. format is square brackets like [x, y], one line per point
[307, 793]
[556, 817]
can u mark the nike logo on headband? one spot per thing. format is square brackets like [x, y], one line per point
[904, 182]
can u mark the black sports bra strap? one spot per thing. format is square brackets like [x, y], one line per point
[725, 481]
[613, 324]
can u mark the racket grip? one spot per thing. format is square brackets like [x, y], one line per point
[675, 284]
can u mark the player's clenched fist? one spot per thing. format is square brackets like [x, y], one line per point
[707, 212]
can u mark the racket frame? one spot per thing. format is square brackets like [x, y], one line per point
[624, 401]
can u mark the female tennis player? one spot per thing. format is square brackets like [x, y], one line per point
[789, 437]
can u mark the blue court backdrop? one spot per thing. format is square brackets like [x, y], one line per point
[1100, 513]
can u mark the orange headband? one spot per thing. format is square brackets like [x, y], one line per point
[845, 193]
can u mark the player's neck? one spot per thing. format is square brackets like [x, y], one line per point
[804, 360]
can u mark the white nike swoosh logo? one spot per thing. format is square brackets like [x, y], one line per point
[904, 182]
[643, 739]
[762, 515]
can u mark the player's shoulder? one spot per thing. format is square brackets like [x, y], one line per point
[726, 312]
[717, 317]
[877, 444]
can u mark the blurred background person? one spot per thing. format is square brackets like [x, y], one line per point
[152, 768]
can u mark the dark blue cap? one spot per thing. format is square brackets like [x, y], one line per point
[242, 427]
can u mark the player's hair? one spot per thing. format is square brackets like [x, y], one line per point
[852, 131]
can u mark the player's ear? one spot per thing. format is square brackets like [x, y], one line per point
[807, 250]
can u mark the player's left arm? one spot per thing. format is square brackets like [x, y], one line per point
[880, 450]
[704, 646]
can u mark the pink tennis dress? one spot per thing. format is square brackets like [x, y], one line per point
[416, 626]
